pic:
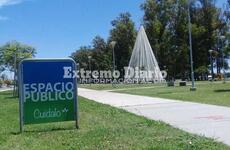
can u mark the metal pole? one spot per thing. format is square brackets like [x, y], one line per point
[212, 68]
[76, 68]
[89, 57]
[113, 43]
[113, 59]
[15, 63]
[211, 63]
[223, 62]
[193, 88]
[21, 99]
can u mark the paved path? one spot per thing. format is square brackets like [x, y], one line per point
[5, 89]
[208, 120]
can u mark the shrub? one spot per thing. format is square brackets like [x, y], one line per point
[8, 82]
[1, 83]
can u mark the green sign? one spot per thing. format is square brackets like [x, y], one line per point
[46, 93]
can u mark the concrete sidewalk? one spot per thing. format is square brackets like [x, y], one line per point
[202, 119]
[5, 89]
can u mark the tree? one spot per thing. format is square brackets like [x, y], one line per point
[202, 70]
[101, 55]
[208, 18]
[11, 54]
[99, 52]
[227, 11]
[227, 35]
[124, 34]
[1, 60]
[81, 56]
[166, 27]
[14, 50]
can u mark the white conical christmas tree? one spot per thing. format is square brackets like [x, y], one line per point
[143, 60]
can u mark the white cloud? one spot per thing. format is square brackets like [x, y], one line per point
[9, 2]
[2, 18]
[6, 3]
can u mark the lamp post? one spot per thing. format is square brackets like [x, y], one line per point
[15, 72]
[113, 44]
[78, 68]
[17, 58]
[211, 62]
[222, 46]
[89, 58]
[193, 88]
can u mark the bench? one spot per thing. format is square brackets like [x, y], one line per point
[182, 83]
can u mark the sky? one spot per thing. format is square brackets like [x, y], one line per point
[56, 28]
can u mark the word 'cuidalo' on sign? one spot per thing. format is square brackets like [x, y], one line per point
[45, 94]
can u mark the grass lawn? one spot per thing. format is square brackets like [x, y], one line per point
[207, 92]
[101, 127]
[210, 93]
[117, 86]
